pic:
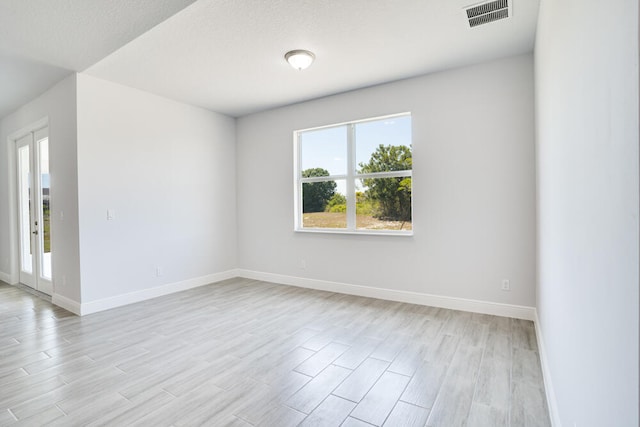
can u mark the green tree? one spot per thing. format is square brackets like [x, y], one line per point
[392, 194]
[337, 203]
[316, 195]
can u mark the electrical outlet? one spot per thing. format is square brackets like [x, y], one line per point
[506, 285]
[303, 264]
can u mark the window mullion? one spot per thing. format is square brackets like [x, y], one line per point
[351, 170]
[323, 178]
[297, 180]
[390, 174]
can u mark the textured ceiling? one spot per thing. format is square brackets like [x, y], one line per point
[23, 79]
[41, 41]
[227, 55]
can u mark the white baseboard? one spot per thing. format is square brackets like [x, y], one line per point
[66, 303]
[6, 277]
[143, 295]
[546, 375]
[484, 307]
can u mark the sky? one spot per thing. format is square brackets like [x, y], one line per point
[327, 148]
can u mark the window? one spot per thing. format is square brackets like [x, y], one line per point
[355, 177]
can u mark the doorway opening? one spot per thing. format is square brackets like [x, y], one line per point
[34, 213]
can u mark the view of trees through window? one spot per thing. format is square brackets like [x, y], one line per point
[356, 176]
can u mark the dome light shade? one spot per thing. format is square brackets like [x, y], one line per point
[299, 59]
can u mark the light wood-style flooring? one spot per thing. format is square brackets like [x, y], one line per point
[243, 353]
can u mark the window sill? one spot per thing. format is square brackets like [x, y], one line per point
[395, 233]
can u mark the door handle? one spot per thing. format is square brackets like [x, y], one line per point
[34, 232]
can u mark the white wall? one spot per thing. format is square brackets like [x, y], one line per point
[168, 171]
[58, 104]
[587, 143]
[474, 188]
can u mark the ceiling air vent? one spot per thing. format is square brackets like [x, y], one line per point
[484, 13]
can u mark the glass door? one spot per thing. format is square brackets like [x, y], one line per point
[34, 214]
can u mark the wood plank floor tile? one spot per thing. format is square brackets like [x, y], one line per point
[218, 406]
[6, 418]
[197, 402]
[379, 402]
[284, 364]
[360, 381]
[526, 366]
[151, 378]
[500, 325]
[82, 412]
[43, 417]
[246, 353]
[26, 388]
[198, 375]
[528, 406]
[10, 375]
[441, 350]
[149, 402]
[61, 366]
[259, 403]
[409, 359]
[493, 386]
[288, 384]
[332, 412]
[482, 415]
[94, 383]
[498, 345]
[458, 387]
[281, 416]
[321, 340]
[76, 400]
[407, 415]
[21, 360]
[316, 390]
[117, 355]
[321, 359]
[523, 334]
[425, 384]
[388, 349]
[475, 334]
[357, 353]
[457, 323]
[233, 421]
[354, 422]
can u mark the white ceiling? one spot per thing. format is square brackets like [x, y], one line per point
[228, 55]
[42, 41]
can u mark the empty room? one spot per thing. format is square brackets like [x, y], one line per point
[319, 213]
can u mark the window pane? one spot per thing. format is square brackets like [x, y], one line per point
[324, 149]
[383, 145]
[366, 157]
[45, 234]
[324, 204]
[24, 182]
[383, 203]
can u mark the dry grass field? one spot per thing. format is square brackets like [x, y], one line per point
[339, 220]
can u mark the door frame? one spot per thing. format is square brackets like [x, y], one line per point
[13, 276]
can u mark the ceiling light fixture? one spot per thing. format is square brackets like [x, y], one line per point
[299, 59]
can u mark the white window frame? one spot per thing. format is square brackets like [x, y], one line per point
[350, 177]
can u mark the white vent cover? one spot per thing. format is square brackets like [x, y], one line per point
[486, 12]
